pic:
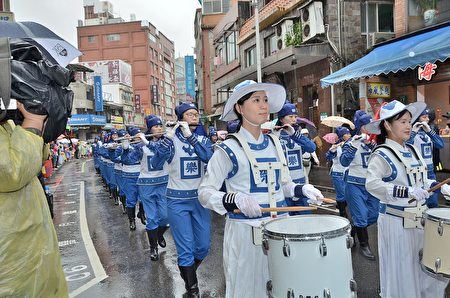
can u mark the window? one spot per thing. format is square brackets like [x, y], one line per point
[215, 6]
[270, 45]
[151, 37]
[91, 38]
[160, 57]
[380, 17]
[231, 47]
[113, 37]
[250, 56]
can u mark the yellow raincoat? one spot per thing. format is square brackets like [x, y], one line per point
[30, 264]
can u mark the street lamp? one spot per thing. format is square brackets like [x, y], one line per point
[257, 38]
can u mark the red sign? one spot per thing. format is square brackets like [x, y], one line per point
[137, 103]
[427, 71]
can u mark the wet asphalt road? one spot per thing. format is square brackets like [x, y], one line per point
[123, 267]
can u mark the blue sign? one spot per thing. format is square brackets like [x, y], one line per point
[190, 75]
[87, 120]
[98, 94]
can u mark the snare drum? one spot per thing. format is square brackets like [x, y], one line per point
[435, 256]
[309, 256]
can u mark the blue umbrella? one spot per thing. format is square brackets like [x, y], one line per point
[53, 47]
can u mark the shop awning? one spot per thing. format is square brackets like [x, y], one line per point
[401, 54]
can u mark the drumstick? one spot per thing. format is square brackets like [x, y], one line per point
[436, 187]
[335, 211]
[329, 200]
[281, 209]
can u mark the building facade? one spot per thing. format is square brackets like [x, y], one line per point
[139, 43]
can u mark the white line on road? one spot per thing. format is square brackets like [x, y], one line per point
[65, 224]
[66, 242]
[71, 194]
[70, 202]
[99, 272]
[69, 212]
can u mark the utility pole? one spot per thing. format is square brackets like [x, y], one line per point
[258, 45]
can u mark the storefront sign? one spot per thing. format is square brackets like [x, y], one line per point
[137, 103]
[427, 71]
[86, 120]
[155, 94]
[98, 94]
[323, 115]
[378, 90]
[117, 119]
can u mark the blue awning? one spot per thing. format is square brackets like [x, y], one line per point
[402, 54]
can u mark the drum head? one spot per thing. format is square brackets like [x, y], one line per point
[307, 225]
[437, 214]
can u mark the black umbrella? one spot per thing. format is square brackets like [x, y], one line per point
[53, 47]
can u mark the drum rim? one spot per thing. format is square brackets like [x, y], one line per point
[434, 217]
[310, 236]
[432, 273]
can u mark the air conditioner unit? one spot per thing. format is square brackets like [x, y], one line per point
[377, 37]
[312, 20]
[281, 30]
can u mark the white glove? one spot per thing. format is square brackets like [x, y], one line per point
[248, 206]
[445, 191]
[334, 148]
[313, 194]
[426, 127]
[276, 132]
[289, 129]
[418, 193]
[416, 127]
[125, 144]
[143, 138]
[185, 129]
[170, 131]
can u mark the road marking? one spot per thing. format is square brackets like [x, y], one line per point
[71, 194]
[66, 243]
[99, 272]
[66, 224]
[69, 212]
[70, 202]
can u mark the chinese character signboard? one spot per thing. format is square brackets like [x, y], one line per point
[137, 103]
[190, 75]
[378, 90]
[111, 71]
[98, 94]
[154, 94]
[427, 71]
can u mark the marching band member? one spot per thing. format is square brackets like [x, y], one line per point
[338, 170]
[186, 154]
[362, 205]
[294, 145]
[425, 140]
[152, 183]
[116, 158]
[245, 264]
[110, 165]
[213, 135]
[306, 157]
[131, 168]
[397, 173]
[95, 148]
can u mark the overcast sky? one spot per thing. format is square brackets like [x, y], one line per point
[174, 18]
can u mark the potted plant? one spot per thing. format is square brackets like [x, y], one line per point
[429, 11]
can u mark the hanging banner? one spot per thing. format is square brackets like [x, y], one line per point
[98, 94]
[378, 90]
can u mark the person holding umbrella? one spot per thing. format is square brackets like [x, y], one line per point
[245, 264]
[362, 205]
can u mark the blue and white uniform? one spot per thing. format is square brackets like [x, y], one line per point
[152, 184]
[245, 265]
[425, 142]
[337, 173]
[363, 206]
[131, 167]
[293, 147]
[189, 221]
[387, 180]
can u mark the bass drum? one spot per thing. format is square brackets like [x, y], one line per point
[309, 256]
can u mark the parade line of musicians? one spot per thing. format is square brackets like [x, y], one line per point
[174, 176]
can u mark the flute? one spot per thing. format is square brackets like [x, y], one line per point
[133, 137]
[172, 124]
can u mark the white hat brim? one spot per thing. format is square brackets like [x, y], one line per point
[276, 96]
[414, 108]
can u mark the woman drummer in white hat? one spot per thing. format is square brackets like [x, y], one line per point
[245, 265]
[396, 174]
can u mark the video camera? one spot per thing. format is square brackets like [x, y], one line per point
[28, 77]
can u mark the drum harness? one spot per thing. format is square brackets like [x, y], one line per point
[410, 215]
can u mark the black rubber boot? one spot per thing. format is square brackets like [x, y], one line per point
[116, 196]
[123, 199]
[161, 231]
[141, 214]
[153, 240]
[197, 263]
[353, 234]
[341, 206]
[131, 216]
[190, 281]
[364, 248]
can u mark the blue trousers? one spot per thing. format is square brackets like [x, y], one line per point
[131, 190]
[363, 206]
[153, 197]
[119, 183]
[432, 201]
[300, 202]
[112, 176]
[102, 169]
[96, 162]
[339, 187]
[190, 225]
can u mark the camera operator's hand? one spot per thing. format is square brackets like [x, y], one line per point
[31, 120]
